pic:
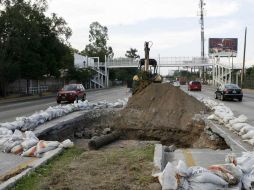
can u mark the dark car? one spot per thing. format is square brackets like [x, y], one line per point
[71, 92]
[229, 91]
[194, 85]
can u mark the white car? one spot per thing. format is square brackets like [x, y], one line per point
[176, 83]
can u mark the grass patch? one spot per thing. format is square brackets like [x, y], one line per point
[107, 169]
[35, 179]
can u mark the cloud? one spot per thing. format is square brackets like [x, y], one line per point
[113, 12]
[122, 13]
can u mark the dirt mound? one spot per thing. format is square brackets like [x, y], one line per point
[163, 105]
[162, 112]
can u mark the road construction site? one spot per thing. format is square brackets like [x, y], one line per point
[181, 125]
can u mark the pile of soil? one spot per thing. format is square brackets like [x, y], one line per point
[163, 112]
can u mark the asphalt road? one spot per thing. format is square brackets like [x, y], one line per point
[245, 107]
[9, 112]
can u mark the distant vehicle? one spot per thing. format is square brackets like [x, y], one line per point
[176, 83]
[229, 91]
[194, 85]
[71, 93]
[182, 80]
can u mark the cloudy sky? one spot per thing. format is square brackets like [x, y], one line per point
[172, 25]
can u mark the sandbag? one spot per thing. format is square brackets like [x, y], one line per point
[249, 134]
[181, 168]
[248, 180]
[2, 142]
[204, 186]
[5, 132]
[229, 172]
[66, 144]
[240, 119]
[28, 143]
[201, 175]
[246, 129]
[17, 149]
[228, 118]
[231, 159]
[17, 136]
[45, 146]
[247, 165]
[213, 117]
[250, 141]
[30, 135]
[9, 144]
[168, 178]
[238, 126]
[30, 152]
[245, 156]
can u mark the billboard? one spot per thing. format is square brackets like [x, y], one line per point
[83, 61]
[223, 47]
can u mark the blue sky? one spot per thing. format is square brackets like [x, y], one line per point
[172, 25]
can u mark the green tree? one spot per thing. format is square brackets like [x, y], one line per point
[98, 37]
[32, 45]
[81, 75]
[122, 74]
[250, 71]
[132, 53]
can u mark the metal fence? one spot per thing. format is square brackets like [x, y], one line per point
[249, 82]
[37, 90]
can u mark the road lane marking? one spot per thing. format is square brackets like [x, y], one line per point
[188, 158]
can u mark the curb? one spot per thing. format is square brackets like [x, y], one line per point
[31, 167]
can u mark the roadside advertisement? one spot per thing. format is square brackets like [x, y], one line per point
[223, 47]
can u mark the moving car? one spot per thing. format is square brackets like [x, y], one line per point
[194, 85]
[70, 93]
[229, 91]
[176, 83]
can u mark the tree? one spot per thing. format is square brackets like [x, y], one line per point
[132, 53]
[98, 37]
[122, 74]
[81, 75]
[250, 71]
[32, 44]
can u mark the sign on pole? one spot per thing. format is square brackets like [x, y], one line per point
[223, 47]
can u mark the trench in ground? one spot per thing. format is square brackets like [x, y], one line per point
[95, 122]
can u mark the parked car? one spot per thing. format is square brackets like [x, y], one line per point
[176, 83]
[70, 93]
[194, 85]
[229, 91]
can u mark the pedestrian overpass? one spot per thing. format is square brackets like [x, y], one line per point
[222, 71]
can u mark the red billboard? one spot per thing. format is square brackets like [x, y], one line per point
[223, 47]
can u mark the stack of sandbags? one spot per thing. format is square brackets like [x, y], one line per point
[27, 144]
[236, 174]
[225, 116]
[38, 118]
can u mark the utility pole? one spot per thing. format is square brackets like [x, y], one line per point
[202, 4]
[244, 53]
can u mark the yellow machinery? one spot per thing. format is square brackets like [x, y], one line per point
[147, 72]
